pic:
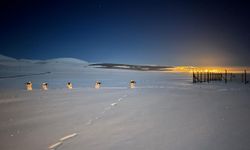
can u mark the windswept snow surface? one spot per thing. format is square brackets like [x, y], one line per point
[164, 111]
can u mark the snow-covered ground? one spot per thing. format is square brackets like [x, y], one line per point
[164, 111]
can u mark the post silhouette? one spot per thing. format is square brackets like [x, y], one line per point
[201, 77]
[208, 76]
[225, 76]
[245, 76]
[194, 80]
[197, 76]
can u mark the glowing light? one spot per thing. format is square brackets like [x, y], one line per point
[191, 69]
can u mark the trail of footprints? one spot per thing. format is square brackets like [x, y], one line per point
[90, 122]
[105, 110]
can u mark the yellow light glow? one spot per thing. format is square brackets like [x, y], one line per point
[191, 69]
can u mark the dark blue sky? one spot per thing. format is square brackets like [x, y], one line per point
[135, 32]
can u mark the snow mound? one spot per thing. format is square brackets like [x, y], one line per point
[66, 60]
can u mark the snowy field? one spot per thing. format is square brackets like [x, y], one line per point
[164, 112]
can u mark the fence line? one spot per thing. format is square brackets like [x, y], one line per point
[208, 76]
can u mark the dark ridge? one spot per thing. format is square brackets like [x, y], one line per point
[132, 67]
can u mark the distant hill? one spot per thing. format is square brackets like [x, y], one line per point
[66, 60]
[5, 60]
[132, 67]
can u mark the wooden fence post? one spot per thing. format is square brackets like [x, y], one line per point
[225, 76]
[245, 76]
[208, 76]
[194, 80]
[201, 77]
[198, 77]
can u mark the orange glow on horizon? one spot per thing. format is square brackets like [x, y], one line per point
[214, 69]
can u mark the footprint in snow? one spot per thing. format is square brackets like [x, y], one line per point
[113, 104]
[89, 122]
[108, 108]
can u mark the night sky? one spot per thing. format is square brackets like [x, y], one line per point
[134, 32]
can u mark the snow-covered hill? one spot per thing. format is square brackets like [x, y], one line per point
[8, 61]
[66, 60]
[6, 58]
[19, 67]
